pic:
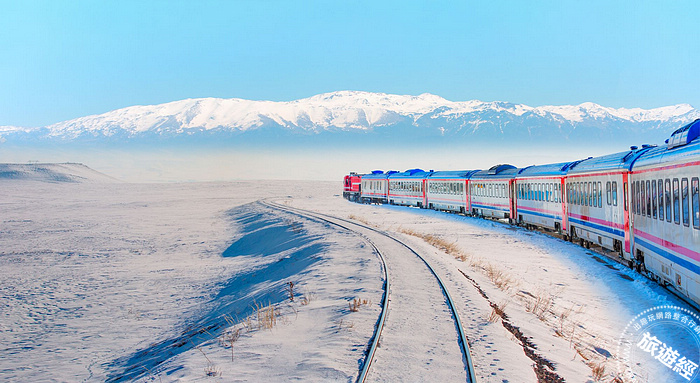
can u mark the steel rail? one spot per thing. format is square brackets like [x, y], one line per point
[453, 307]
[374, 344]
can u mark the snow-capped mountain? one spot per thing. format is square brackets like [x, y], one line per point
[425, 115]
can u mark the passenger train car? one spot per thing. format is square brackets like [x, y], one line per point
[448, 190]
[408, 188]
[643, 204]
[539, 196]
[374, 187]
[665, 195]
[491, 192]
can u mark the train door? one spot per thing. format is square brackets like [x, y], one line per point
[627, 213]
[563, 198]
[424, 188]
[468, 200]
[512, 198]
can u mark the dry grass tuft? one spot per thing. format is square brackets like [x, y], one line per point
[497, 312]
[597, 370]
[307, 297]
[362, 220]
[500, 278]
[450, 248]
[267, 316]
[342, 325]
[357, 303]
[540, 305]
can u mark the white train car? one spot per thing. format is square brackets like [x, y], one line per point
[490, 192]
[408, 188]
[597, 205]
[449, 191]
[666, 211]
[374, 187]
[539, 194]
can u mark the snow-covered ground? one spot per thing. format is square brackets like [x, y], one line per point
[155, 282]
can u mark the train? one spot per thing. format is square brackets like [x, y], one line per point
[642, 204]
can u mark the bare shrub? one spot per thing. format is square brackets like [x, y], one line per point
[210, 369]
[290, 290]
[229, 337]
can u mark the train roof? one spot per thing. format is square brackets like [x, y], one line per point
[453, 174]
[412, 173]
[558, 169]
[378, 175]
[610, 162]
[675, 153]
[500, 171]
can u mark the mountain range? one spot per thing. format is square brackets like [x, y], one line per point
[354, 115]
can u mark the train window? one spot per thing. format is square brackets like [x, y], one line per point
[644, 199]
[608, 193]
[580, 189]
[668, 200]
[595, 195]
[614, 194]
[638, 206]
[695, 190]
[676, 203]
[589, 195]
[648, 199]
[634, 198]
[685, 202]
[661, 200]
[653, 198]
[551, 192]
[577, 190]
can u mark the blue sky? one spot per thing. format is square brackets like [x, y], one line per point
[65, 59]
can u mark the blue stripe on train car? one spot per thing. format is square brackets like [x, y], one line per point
[606, 229]
[666, 254]
[524, 212]
[489, 207]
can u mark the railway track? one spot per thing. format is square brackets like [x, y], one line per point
[408, 314]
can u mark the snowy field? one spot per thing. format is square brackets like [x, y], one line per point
[190, 282]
